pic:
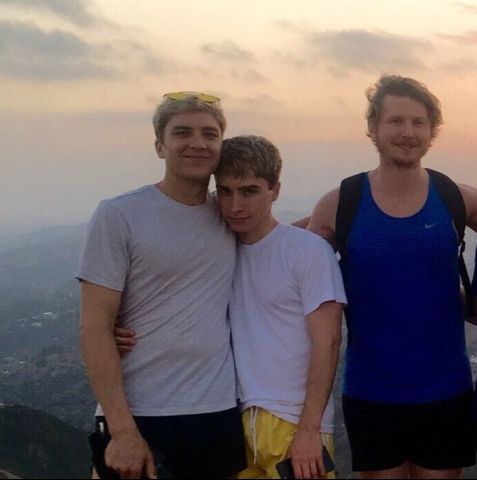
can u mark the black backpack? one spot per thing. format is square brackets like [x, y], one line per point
[350, 196]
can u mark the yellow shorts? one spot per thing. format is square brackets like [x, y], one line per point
[273, 437]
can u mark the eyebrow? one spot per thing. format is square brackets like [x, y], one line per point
[245, 187]
[188, 128]
[400, 115]
[211, 129]
[181, 127]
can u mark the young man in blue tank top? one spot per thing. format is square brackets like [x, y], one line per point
[407, 395]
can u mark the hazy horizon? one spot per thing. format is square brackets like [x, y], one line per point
[80, 80]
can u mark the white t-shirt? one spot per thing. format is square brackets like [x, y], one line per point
[277, 282]
[173, 264]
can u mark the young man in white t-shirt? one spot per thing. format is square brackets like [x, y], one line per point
[285, 314]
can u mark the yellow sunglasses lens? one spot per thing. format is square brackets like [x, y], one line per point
[183, 95]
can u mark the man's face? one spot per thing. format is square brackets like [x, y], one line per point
[190, 145]
[246, 205]
[403, 133]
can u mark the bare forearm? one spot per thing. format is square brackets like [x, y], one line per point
[99, 310]
[306, 448]
[127, 453]
[102, 363]
[321, 375]
[324, 326]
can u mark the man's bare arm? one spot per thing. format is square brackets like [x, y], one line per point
[469, 195]
[324, 326]
[470, 199]
[302, 223]
[323, 218]
[127, 453]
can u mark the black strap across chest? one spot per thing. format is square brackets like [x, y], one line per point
[351, 191]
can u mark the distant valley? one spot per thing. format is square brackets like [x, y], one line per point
[40, 365]
[41, 374]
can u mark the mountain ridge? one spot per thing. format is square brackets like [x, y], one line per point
[38, 445]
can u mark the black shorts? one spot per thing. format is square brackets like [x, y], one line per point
[208, 445]
[436, 436]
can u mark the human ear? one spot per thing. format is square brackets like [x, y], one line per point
[276, 191]
[372, 130]
[159, 148]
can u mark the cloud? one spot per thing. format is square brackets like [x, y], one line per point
[249, 75]
[296, 60]
[261, 103]
[77, 12]
[365, 51]
[460, 67]
[27, 52]
[30, 53]
[466, 7]
[341, 52]
[227, 51]
[289, 26]
[467, 38]
[132, 57]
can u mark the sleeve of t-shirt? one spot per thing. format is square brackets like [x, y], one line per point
[105, 260]
[319, 276]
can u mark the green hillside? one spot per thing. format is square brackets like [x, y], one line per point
[34, 444]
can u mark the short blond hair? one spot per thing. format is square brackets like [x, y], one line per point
[402, 87]
[168, 108]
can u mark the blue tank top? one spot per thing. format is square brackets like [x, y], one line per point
[406, 341]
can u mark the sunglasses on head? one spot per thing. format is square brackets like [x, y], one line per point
[183, 95]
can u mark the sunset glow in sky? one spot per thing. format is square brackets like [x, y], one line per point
[79, 80]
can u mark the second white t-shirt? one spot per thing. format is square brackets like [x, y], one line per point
[278, 281]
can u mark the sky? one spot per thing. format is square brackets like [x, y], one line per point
[79, 80]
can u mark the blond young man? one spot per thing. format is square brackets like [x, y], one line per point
[408, 389]
[159, 261]
[285, 314]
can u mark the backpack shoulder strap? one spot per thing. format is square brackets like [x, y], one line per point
[351, 190]
[452, 197]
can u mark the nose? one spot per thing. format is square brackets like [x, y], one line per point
[198, 141]
[236, 205]
[408, 129]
